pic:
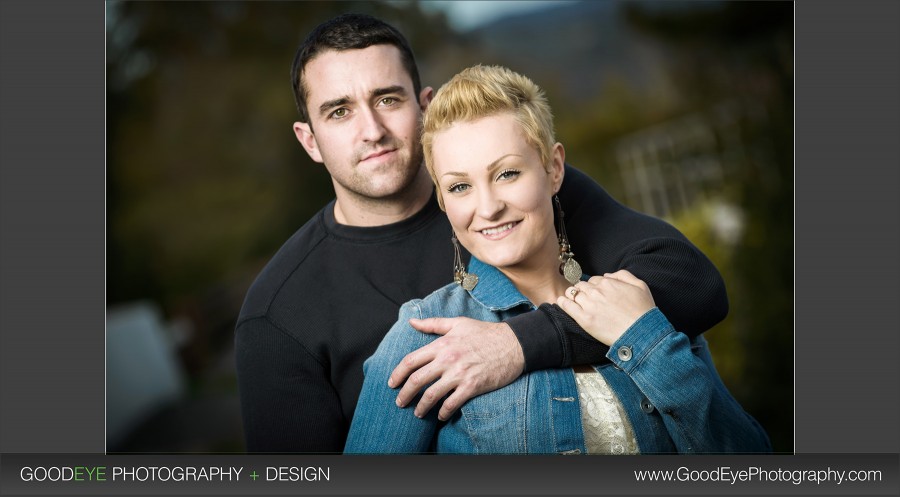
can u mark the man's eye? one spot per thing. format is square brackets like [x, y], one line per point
[388, 101]
[458, 188]
[339, 113]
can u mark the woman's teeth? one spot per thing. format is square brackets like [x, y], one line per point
[498, 229]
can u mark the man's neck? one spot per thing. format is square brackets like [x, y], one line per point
[354, 210]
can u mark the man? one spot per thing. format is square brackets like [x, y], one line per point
[326, 299]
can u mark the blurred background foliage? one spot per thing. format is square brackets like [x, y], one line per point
[683, 110]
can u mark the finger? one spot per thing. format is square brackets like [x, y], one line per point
[416, 382]
[595, 280]
[411, 362]
[587, 288]
[573, 309]
[452, 403]
[437, 326]
[434, 393]
[624, 281]
[625, 276]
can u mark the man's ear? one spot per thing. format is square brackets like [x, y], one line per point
[557, 166]
[306, 138]
[425, 97]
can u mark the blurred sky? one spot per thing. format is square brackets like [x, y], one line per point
[464, 15]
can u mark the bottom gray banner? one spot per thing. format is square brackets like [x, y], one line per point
[133, 474]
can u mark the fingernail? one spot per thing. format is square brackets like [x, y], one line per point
[391, 382]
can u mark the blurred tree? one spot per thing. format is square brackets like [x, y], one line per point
[742, 51]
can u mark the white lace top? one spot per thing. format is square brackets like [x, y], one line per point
[606, 426]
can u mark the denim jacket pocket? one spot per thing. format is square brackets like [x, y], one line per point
[495, 421]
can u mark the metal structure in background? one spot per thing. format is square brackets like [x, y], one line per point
[671, 167]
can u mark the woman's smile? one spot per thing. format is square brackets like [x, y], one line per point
[499, 232]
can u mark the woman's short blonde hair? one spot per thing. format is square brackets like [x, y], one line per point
[482, 91]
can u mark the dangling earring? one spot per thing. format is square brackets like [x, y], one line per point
[465, 280]
[568, 266]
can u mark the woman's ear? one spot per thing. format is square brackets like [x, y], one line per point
[557, 166]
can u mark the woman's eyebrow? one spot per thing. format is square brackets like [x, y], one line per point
[490, 167]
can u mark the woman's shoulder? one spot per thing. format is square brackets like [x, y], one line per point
[450, 300]
[402, 338]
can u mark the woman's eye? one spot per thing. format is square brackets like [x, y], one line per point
[458, 188]
[508, 174]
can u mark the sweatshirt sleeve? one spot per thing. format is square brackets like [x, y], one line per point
[287, 402]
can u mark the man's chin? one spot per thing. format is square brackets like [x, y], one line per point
[393, 187]
[390, 181]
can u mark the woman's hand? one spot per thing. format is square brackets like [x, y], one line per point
[606, 306]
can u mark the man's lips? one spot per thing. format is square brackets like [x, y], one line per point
[374, 155]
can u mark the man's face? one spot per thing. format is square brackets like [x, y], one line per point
[365, 120]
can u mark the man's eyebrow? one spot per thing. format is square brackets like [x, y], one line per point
[490, 167]
[330, 104]
[397, 89]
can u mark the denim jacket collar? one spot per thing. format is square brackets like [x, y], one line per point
[494, 290]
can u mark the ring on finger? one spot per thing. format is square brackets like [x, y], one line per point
[574, 292]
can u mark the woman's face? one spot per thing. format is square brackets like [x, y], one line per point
[497, 192]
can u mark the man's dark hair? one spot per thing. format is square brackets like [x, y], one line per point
[348, 32]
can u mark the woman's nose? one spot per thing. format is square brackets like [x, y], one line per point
[490, 205]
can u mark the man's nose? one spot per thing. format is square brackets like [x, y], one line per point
[371, 126]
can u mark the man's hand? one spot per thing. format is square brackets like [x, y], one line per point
[471, 358]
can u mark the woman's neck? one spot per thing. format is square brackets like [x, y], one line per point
[539, 284]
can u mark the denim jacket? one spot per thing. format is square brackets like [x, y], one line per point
[667, 383]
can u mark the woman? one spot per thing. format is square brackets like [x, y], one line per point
[489, 147]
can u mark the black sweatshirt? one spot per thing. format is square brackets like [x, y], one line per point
[325, 300]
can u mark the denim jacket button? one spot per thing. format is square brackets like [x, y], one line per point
[624, 353]
[646, 406]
